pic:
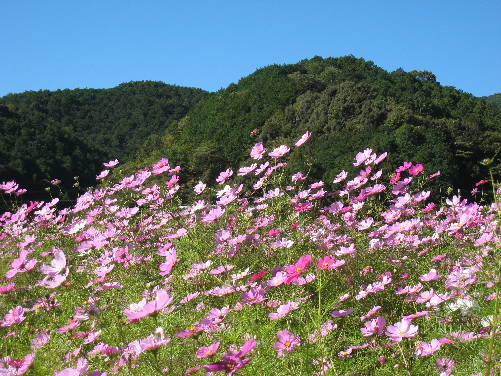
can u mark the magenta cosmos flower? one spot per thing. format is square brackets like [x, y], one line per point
[213, 215]
[14, 316]
[279, 152]
[20, 265]
[232, 361]
[375, 326]
[303, 139]
[257, 151]
[111, 164]
[143, 309]
[416, 169]
[294, 271]
[206, 351]
[224, 175]
[402, 329]
[15, 367]
[286, 342]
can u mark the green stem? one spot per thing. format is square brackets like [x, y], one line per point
[404, 359]
[495, 322]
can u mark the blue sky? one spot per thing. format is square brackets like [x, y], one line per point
[60, 44]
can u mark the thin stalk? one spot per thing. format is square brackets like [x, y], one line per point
[404, 359]
[495, 319]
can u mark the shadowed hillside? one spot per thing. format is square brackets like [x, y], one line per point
[66, 133]
[348, 104]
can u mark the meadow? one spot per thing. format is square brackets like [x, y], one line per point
[264, 274]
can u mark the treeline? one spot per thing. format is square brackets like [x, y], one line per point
[62, 134]
[348, 104]
[494, 99]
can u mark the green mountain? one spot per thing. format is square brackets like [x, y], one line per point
[494, 98]
[348, 104]
[66, 133]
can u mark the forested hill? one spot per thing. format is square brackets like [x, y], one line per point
[348, 104]
[494, 98]
[66, 133]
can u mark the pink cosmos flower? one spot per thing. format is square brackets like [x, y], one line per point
[232, 361]
[81, 368]
[279, 278]
[152, 342]
[279, 152]
[199, 188]
[242, 171]
[400, 330]
[380, 158]
[343, 251]
[434, 175]
[286, 342]
[341, 312]
[41, 339]
[366, 157]
[102, 174]
[340, 177]
[416, 169]
[57, 265]
[143, 309]
[166, 267]
[20, 265]
[6, 288]
[371, 312]
[404, 167]
[205, 352]
[102, 348]
[325, 262]
[426, 349]
[14, 316]
[375, 326]
[213, 215]
[303, 139]
[283, 310]
[257, 151]
[111, 164]
[9, 187]
[293, 271]
[444, 366]
[51, 281]
[254, 295]
[161, 166]
[258, 275]
[224, 175]
[14, 367]
[430, 276]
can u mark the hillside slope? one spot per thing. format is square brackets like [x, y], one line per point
[348, 104]
[66, 133]
[494, 99]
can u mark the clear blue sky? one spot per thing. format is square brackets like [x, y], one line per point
[60, 44]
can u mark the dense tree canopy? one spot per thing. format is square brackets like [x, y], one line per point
[494, 98]
[349, 104]
[66, 133]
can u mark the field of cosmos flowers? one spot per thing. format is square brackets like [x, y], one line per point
[263, 275]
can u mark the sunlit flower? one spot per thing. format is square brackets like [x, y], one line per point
[400, 330]
[286, 342]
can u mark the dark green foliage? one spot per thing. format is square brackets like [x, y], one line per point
[494, 98]
[61, 134]
[348, 104]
